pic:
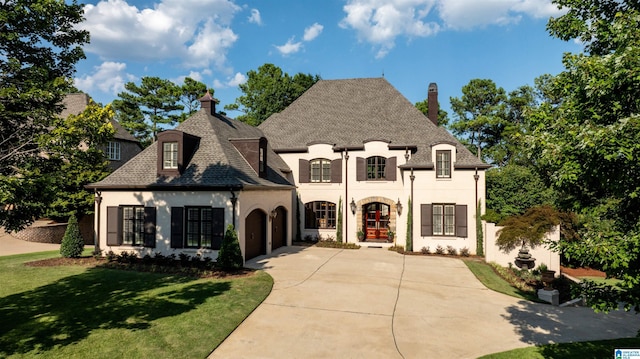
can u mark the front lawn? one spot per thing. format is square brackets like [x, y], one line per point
[93, 312]
[580, 350]
[487, 276]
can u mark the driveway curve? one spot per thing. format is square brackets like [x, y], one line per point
[373, 303]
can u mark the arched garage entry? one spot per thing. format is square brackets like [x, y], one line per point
[279, 228]
[255, 238]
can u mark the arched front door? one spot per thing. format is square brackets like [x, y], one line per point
[376, 220]
[279, 228]
[255, 238]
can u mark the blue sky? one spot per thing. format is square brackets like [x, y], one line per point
[411, 42]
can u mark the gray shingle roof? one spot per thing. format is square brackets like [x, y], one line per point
[215, 164]
[347, 113]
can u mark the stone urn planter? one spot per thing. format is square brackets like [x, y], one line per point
[547, 277]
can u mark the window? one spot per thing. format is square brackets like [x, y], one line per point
[170, 155]
[444, 220]
[113, 151]
[320, 214]
[376, 167]
[199, 227]
[320, 170]
[261, 161]
[443, 164]
[133, 226]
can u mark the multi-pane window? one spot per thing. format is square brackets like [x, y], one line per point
[199, 227]
[113, 151]
[170, 155]
[376, 167]
[320, 214]
[320, 170]
[443, 164]
[133, 225]
[444, 220]
[261, 161]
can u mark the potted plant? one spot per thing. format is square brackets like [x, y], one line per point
[360, 235]
[391, 235]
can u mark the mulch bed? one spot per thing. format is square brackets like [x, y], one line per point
[582, 272]
[173, 269]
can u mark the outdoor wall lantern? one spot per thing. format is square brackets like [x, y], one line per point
[399, 207]
[273, 214]
[353, 206]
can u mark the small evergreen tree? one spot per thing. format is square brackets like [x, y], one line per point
[479, 233]
[298, 227]
[72, 243]
[339, 227]
[230, 256]
[410, 228]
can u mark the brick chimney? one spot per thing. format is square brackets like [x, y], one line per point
[432, 102]
[208, 103]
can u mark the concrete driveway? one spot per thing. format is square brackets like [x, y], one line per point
[373, 303]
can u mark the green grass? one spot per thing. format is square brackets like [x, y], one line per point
[80, 312]
[581, 350]
[600, 280]
[487, 276]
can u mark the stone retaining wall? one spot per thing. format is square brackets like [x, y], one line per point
[53, 232]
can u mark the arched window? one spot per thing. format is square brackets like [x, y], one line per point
[320, 214]
[320, 170]
[376, 167]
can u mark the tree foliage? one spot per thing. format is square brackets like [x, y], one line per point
[267, 91]
[443, 116]
[39, 47]
[72, 243]
[190, 93]
[528, 229]
[587, 143]
[230, 256]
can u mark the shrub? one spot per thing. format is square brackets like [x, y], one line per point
[439, 249]
[308, 238]
[399, 249]
[184, 259]
[330, 238]
[230, 256]
[72, 243]
[425, 250]
[464, 252]
[318, 238]
[111, 256]
[452, 251]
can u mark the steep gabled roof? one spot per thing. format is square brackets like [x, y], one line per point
[216, 163]
[348, 113]
[75, 103]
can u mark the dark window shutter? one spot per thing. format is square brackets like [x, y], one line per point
[461, 220]
[114, 226]
[361, 169]
[336, 171]
[426, 220]
[305, 171]
[150, 227]
[176, 227]
[390, 169]
[217, 225]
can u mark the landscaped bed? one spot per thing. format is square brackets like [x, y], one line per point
[82, 308]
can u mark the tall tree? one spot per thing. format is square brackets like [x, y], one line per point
[157, 101]
[267, 91]
[39, 47]
[480, 117]
[588, 143]
[190, 93]
[443, 116]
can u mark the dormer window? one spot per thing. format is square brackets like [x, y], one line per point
[443, 164]
[170, 155]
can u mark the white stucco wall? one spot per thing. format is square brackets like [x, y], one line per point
[542, 254]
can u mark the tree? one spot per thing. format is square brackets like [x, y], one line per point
[339, 226]
[143, 109]
[409, 238]
[587, 143]
[528, 229]
[230, 256]
[443, 116]
[39, 47]
[74, 147]
[190, 93]
[480, 117]
[267, 91]
[72, 243]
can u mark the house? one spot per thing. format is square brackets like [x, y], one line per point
[121, 148]
[358, 142]
[181, 192]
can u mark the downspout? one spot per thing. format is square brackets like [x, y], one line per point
[234, 199]
[346, 195]
[412, 177]
[96, 236]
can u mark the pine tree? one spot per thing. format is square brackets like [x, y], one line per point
[230, 256]
[72, 243]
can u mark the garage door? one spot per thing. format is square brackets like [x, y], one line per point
[279, 228]
[255, 238]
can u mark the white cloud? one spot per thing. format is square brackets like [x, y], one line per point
[312, 32]
[109, 77]
[196, 32]
[231, 81]
[289, 48]
[255, 17]
[381, 22]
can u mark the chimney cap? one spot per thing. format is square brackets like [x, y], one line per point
[433, 87]
[208, 97]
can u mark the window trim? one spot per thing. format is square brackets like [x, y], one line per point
[324, 170]
[174, 151]
[137, 226]
[379, 168]
[200, 222]
[112, 151]
[327, 215]
[443, 167]
[439, 220]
